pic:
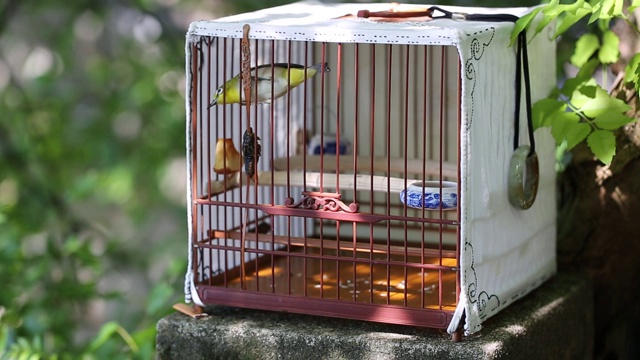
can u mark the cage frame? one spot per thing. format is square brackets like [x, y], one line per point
[444, 319]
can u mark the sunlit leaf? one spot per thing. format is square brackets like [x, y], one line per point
[609, 51]
[552, 8]
[603, 145]
[522, 24]
[596, 10]
[632, 69]
[602, 9]
[586, 46]
[634, 5]
[607, 9]
[570, 19]
[612, 120]
[552, 11]
[583, 95]
[596, 101]
[549, 12]
[617, 9]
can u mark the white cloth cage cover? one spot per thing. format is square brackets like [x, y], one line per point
[504, 252]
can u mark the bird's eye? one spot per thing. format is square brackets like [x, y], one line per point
[219, 91]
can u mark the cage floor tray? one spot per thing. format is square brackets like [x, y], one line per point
[358, 280]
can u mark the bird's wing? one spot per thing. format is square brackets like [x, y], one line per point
[260, 78]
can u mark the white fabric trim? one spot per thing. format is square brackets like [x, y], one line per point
[190, 293]
[457, 315]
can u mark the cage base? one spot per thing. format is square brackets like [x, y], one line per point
[357, 288]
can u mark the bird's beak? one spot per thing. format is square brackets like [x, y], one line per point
[214, 102]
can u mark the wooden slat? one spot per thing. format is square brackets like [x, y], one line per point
[329, 164]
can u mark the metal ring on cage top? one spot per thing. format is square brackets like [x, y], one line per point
[524, 175]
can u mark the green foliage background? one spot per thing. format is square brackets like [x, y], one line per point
[91, 129]
[92, 175]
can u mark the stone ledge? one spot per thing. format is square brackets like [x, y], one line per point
[553, 322]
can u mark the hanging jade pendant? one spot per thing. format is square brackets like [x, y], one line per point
[524, 175]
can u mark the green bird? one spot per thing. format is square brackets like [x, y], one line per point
[231, 92]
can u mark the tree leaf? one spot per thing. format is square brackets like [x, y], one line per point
[567, 126]
[546, 19]
[618, 8]
[609, 51]
[596, 10]
[585, 47]
[576, 133]
[612, 120]
[570, 19]
[603, 145]
[106, 331]
[634, 5]
[544, 109]
[522, 24]
[600, 103]
[607, 10]
[583, 77]
[637, 77]
[632, 68]
[550, 12]
[584, 94]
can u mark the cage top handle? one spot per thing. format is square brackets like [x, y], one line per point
[523, 175]
[469, 17]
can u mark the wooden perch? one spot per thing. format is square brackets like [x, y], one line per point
[314, 180]
[329, 164]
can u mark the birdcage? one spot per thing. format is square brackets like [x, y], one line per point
[368, 175]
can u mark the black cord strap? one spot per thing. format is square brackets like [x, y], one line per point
[522, 65]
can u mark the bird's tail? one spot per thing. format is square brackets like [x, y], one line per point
[321, 66]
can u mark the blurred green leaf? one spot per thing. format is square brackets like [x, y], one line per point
[612, 120]
[159, 298]
[522, 24]
[603, 145]
[586, 46]
[611, 9]
[106, 332]
[571, 19]
[609, 51]
[632, 70]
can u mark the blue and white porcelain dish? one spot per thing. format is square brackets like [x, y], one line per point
[427, 195]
